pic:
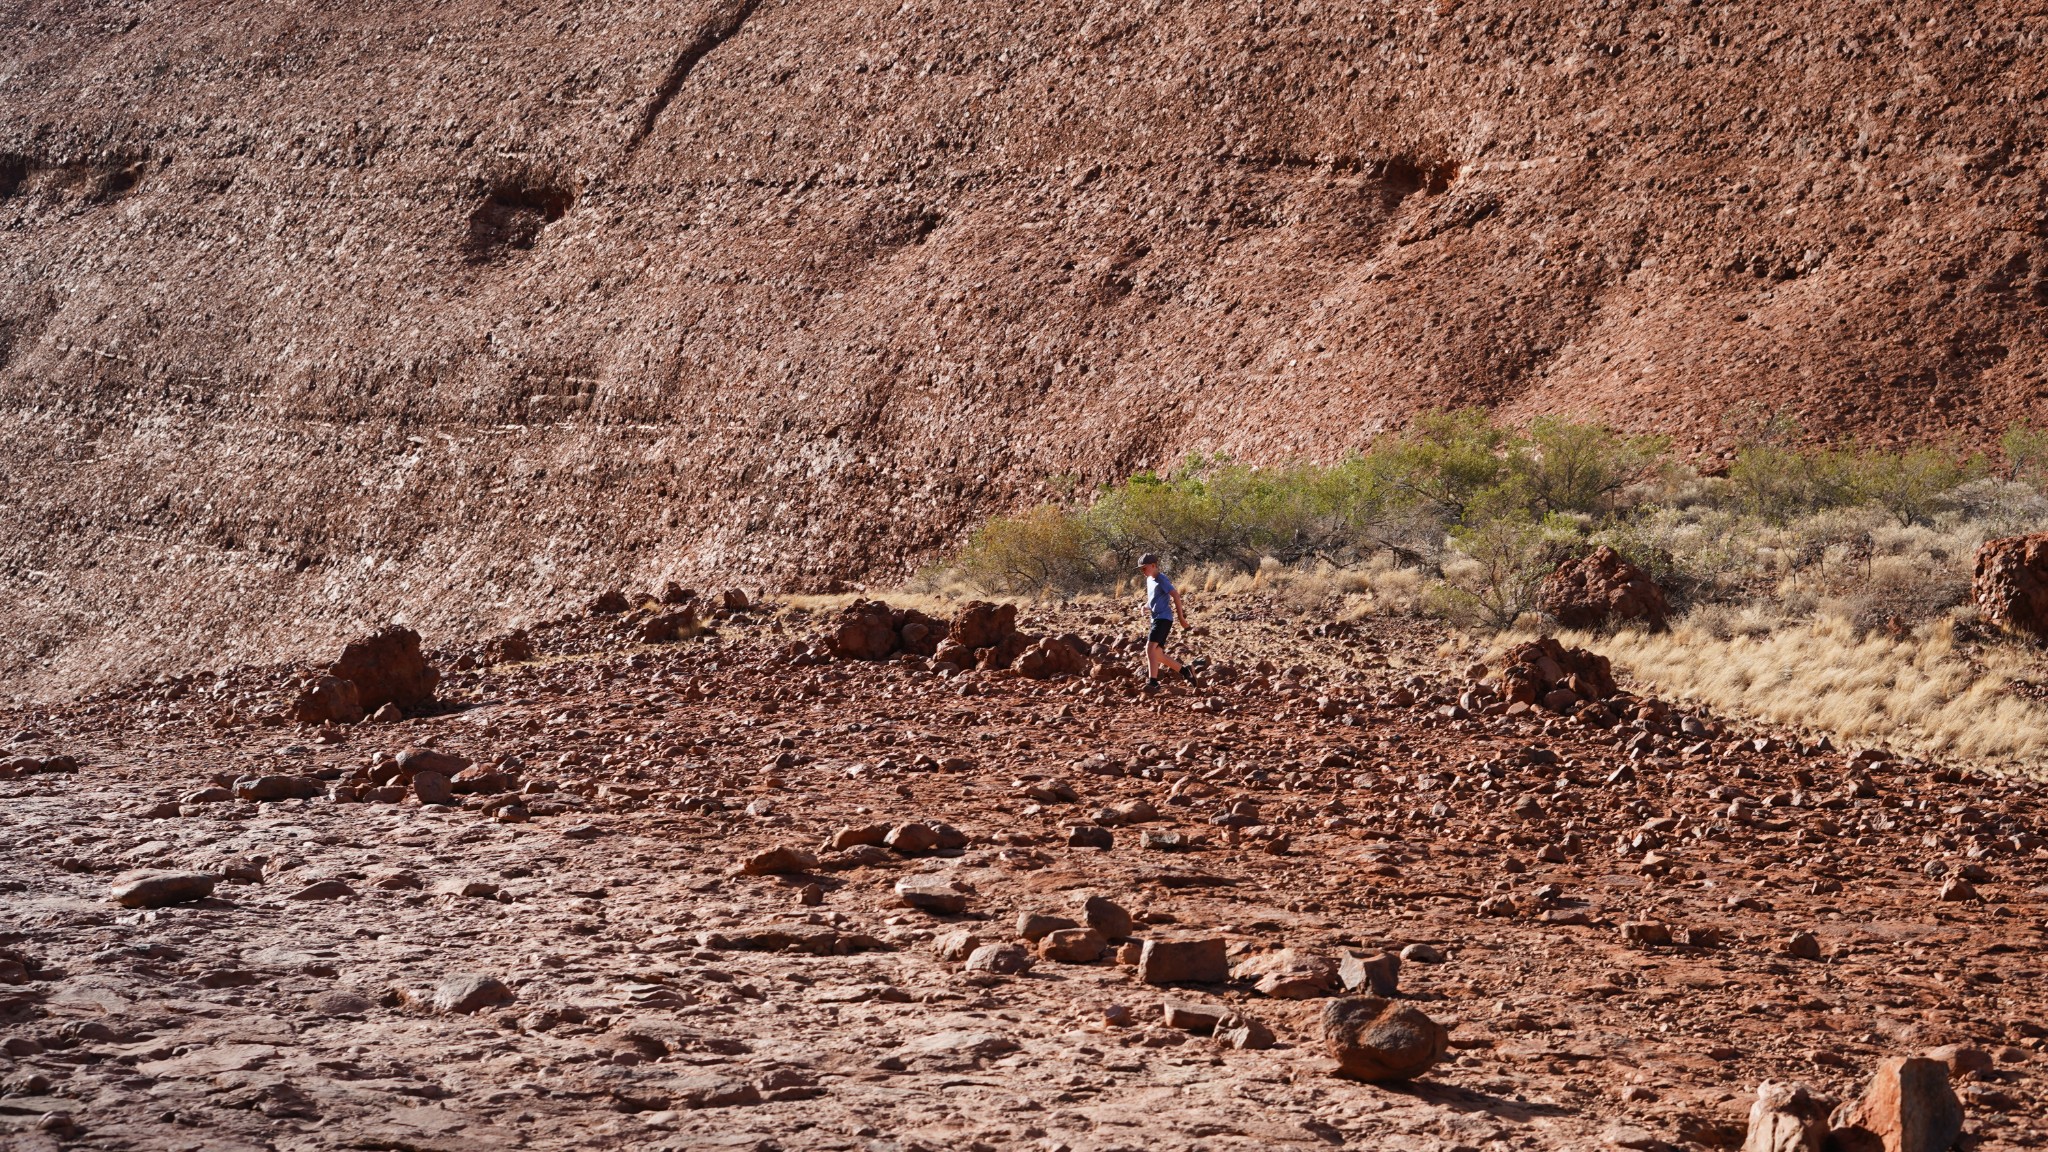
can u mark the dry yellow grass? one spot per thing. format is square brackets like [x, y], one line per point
[1914, 694]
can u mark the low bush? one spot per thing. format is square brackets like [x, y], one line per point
[1466, 515]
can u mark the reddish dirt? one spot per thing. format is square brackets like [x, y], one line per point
[310, 319]
[263, 1017]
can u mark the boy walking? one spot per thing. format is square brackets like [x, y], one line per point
[1164, 600]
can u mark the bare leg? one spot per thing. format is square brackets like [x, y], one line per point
[1156, 658]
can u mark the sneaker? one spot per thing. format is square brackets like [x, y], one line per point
[1186, 674]
[1151, 683]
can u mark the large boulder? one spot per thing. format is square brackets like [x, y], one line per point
[1908, 1106]
[1602, 588]
[388, 668]
[2011, 585]
[1373, 1038]
[872, 630]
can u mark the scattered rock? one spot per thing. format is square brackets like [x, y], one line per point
[1192, 1017]
[1090, 836]
[1786, 1118]
[1373, 1038]
[324, 890]
[999, 959]
[151, 889]
[328, 700]
[912, 838]
[265, 789]
[1244, 1034]
[335, 1004]
[432, 788]
[1803, 946]
[779, 860]
[934, 894]
[849, 837]
[956, 945]
[1201, 960]
[1105, 916]
[1957, 890]
[1036, 926]
[1073, 946]
[712, 1091]
[1378, 973]
[1962, 1060]
[470, 993]
[479, 779]
[1646, 933]
[1290, 974]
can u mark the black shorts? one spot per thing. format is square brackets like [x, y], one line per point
[1160, 628]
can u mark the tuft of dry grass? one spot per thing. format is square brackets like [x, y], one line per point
[1915, 693]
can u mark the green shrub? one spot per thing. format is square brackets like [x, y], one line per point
[1571, 467]
[2026, 453]
[1509, 552]
[1447, 459]
[1491, 510]
[1046, 548]
[1776, 483]
[1911, 485]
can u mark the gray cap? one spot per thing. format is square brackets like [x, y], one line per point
[1147, 558]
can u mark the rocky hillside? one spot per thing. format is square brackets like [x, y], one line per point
[311, 317]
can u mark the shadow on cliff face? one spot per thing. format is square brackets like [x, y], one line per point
[86, 182]
[512, 215]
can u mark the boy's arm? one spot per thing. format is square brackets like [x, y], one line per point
[1179, 609]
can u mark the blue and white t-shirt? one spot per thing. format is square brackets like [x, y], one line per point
[1159, 590]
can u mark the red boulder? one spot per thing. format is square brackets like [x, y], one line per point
[866, 630]
[388, 668]
[984, 625]
[328, 700]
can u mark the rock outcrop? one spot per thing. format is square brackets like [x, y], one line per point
[2011, 585]
[1546, 674]
[1602, 588]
